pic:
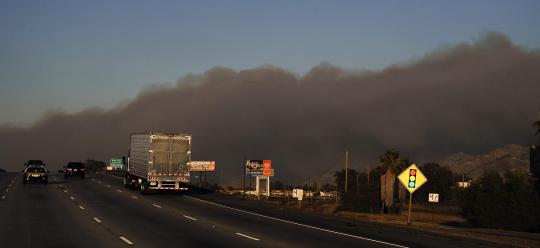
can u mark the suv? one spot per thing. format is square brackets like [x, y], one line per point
[74, 169]
[35, 174]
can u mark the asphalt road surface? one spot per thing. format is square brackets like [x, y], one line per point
[99, 212]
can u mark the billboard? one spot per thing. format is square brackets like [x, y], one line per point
[202, 165]
[258, 167]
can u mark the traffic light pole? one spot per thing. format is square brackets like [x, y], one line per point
[410, 203]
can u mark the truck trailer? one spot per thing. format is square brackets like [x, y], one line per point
[158, 161]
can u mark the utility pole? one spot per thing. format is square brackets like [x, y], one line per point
[346, 168]
[357, 185]
[308, 187]
[244, 173]
[367, 172]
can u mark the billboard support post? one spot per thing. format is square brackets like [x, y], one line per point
[267, 186]
[257, 188]
[244, 173]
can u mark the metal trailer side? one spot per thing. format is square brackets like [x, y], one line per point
[139, 156]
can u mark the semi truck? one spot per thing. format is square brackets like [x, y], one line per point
[158, 161]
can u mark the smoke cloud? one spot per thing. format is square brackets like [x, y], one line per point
[471, 97]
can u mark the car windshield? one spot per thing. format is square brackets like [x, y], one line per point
[35, 169]
[35, 162]
[75, 165]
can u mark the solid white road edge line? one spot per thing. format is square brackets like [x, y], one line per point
[246, 236]
[189, 217]
[97, 220]
[126, 240]
[299, 224]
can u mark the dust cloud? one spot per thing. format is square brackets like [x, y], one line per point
[471, 97]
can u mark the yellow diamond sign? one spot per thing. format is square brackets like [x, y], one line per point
[412, 178]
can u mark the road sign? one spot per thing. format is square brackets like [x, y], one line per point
[412, 178]
[433, 197]
[298, 193]
[117, 161]
[115, 164]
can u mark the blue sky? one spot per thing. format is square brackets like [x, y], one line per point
[70, 55]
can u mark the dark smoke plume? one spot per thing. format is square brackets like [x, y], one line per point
[470, 98]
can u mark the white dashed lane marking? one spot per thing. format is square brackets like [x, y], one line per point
[97, 220]
[72, 198]
[189, 217]
[155, 205]
[126, 240]
[81, 207]
[134, 197]
[119, 191]
[246, 236]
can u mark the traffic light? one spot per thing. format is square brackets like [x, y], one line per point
[412, 178]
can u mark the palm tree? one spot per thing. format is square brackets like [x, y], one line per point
[393, 160]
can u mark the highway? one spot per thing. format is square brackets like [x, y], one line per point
[99, 212]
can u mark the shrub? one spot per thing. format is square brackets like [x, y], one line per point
[508, 202]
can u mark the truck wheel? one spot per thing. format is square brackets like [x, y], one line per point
[132, 184]
[144, 188]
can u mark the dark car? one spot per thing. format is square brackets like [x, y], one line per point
[74, 169]
[35, 174]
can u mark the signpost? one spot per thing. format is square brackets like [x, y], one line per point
[412, 178]
[201, 166]
[433, 198]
